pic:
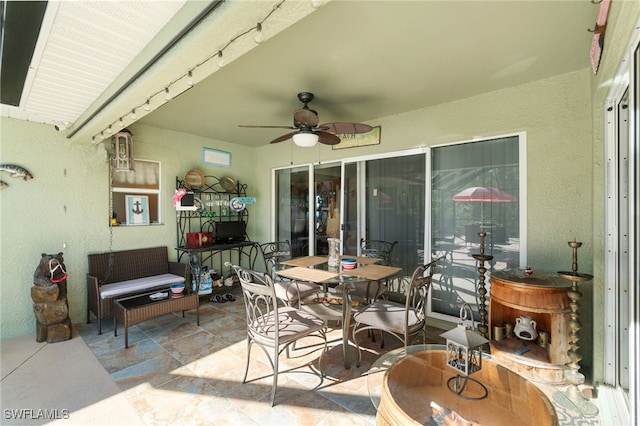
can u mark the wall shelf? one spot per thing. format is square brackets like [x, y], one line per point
[214, 205]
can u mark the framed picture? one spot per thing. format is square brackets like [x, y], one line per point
[216, 157]
[137, 209]
[358, 139]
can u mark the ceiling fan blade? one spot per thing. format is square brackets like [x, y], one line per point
[267, 127]
[327, 138]
[347, 128]
[283, 137]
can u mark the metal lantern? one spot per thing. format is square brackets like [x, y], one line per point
[122, 151]
[464, 352]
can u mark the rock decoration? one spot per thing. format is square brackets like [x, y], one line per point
[49, 295]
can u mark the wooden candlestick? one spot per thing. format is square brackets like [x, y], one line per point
[483, 327]
[573, 375]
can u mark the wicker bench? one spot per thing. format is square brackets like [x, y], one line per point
[118, 274]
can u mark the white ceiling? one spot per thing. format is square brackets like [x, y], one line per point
[82, 47]
[362, 59]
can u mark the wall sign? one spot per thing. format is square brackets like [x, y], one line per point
[137, 209]
[359, 139]
[246, 200]
[214, 157]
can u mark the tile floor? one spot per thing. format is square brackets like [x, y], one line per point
[176, 373]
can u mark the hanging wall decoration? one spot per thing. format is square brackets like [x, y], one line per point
[15, 172]
[216, 157]
[372, 137]
[597, 45]
[137, 209]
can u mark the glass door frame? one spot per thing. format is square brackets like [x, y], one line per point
[361, 207]
[310, 168]
[522, 200]
[360, 162]
[622, 222]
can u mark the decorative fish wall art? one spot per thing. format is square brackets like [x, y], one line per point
[16, 172]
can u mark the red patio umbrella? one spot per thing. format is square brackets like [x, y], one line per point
[483, 194]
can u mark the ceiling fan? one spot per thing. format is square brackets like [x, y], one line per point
[307, 131]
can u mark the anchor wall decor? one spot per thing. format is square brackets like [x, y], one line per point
[137, 209]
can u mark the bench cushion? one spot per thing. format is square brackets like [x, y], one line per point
[138, 285]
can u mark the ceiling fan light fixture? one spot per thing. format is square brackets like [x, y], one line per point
[305, 139]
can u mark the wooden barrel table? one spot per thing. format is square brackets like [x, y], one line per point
[542, 297]
[413, 382]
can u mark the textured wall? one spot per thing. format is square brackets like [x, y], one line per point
[565, 180]
[555, 114]
[68, 201]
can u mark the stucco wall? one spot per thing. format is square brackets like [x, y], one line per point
[68, 202]
[564, 122]
[68, 199]
[555, 114]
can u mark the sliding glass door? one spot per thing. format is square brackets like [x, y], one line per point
[326, 178]
[292, 208]
[475, 187]
[386, 201]
[433, 202]
[307, 210]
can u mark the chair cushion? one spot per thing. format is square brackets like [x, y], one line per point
[292, 291]
[294, 324]
[386, 315]
[138, 285]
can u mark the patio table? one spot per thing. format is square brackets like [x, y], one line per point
[327, 302]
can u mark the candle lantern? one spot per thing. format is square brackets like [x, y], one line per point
[464, 354]
[122, 151]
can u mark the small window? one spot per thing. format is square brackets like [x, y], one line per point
[138, 189]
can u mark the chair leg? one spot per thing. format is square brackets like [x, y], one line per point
[275, 377]
[326, 347]
[355, 329]
[246, 369]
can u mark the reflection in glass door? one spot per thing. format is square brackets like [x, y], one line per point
[292, 208]
[432, 205]
[475, 187]
[385, 200]
[326, 206]
[308, 215]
